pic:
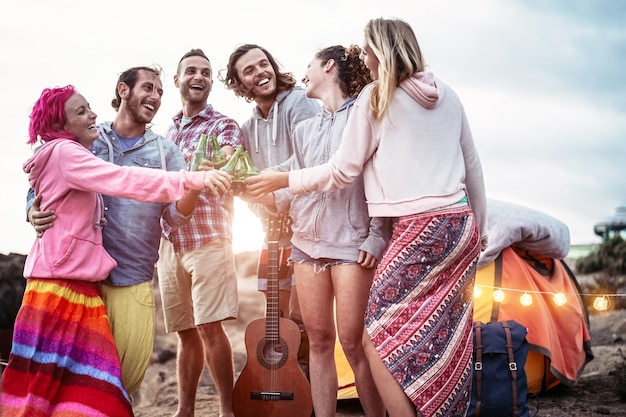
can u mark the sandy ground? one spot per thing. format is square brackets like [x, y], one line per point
[592, 395]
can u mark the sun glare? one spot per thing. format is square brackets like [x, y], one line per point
[248, 232]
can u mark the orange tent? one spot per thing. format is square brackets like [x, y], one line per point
[558, 334]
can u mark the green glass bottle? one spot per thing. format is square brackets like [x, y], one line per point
[199, 155]
[218, 156]
[232, 162]
[251, 169]
[234, 167]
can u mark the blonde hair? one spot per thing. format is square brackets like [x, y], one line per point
[394, 44]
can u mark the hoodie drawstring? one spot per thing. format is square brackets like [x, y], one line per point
[274, 121]
[273, 114]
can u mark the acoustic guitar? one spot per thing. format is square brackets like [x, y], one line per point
[272, 384]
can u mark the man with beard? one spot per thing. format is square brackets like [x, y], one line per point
[132, 232]
[254, 74]
[196, 266]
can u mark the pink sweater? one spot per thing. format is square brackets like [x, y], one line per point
[70, 178]
[420, 156]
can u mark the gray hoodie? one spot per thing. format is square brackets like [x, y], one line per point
[332, 224]
[270, 141]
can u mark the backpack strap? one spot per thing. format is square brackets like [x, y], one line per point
[478, 367]
[512, 366]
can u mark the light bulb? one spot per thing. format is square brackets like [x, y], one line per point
[498, 296]
[601, 303]
[477, 291]
[526, 299]
[559, 299]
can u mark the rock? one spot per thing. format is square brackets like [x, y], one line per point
[165, 355]
[12, 286]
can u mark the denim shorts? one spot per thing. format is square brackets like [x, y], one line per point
[319, 264]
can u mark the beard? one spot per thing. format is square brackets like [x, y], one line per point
[195, 97]
[139, 113]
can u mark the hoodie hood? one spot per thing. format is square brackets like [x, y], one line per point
[422, 87]
[257, 115]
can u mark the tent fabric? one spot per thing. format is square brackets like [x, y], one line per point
[525, 253]
[345, 376]
[558, 336]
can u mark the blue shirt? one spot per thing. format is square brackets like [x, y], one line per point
[133, 232]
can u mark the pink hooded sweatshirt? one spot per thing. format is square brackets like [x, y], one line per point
[70, 178]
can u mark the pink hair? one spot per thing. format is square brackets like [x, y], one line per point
[48, 115]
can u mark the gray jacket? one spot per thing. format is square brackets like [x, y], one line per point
[333, 224]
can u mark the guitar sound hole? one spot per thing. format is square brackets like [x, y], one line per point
[272, 355]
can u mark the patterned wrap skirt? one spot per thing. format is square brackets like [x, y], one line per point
[63, 361]
[421, 306]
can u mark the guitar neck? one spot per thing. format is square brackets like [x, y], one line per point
[272, 309]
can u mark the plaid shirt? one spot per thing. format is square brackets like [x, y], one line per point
[213, 216]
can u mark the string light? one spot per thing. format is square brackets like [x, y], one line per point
[601, 302]
[477, 291]
[559, 299]
[526, 299]
[498, 295]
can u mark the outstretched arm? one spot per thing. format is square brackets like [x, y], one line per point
[266, 182]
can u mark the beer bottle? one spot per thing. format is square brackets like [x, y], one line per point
[218, 156]
[199, 155]
[230, 166]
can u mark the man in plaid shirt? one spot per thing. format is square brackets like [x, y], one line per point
[196, 266]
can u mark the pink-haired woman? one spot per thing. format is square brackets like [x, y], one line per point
[64, 361]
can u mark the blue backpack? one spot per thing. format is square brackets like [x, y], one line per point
[499, 385]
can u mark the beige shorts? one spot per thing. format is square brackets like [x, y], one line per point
[197, 287]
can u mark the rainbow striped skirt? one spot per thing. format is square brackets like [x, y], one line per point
[63, 360]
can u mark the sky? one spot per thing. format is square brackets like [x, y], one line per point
[543, 83]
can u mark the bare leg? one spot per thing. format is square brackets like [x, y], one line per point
[352, 284]
[294, 306]
[283, 303]
[317, 312]
[189, 365]
[219, 357]
[396, 401]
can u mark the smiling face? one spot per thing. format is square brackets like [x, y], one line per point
[144, 99]
[256, 74]
[314, 77]
[80, 120]
[194, 80]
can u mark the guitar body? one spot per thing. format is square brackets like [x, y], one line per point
[271, 372]
[272, 383]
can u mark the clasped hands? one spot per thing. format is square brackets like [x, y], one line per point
[259, 188]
